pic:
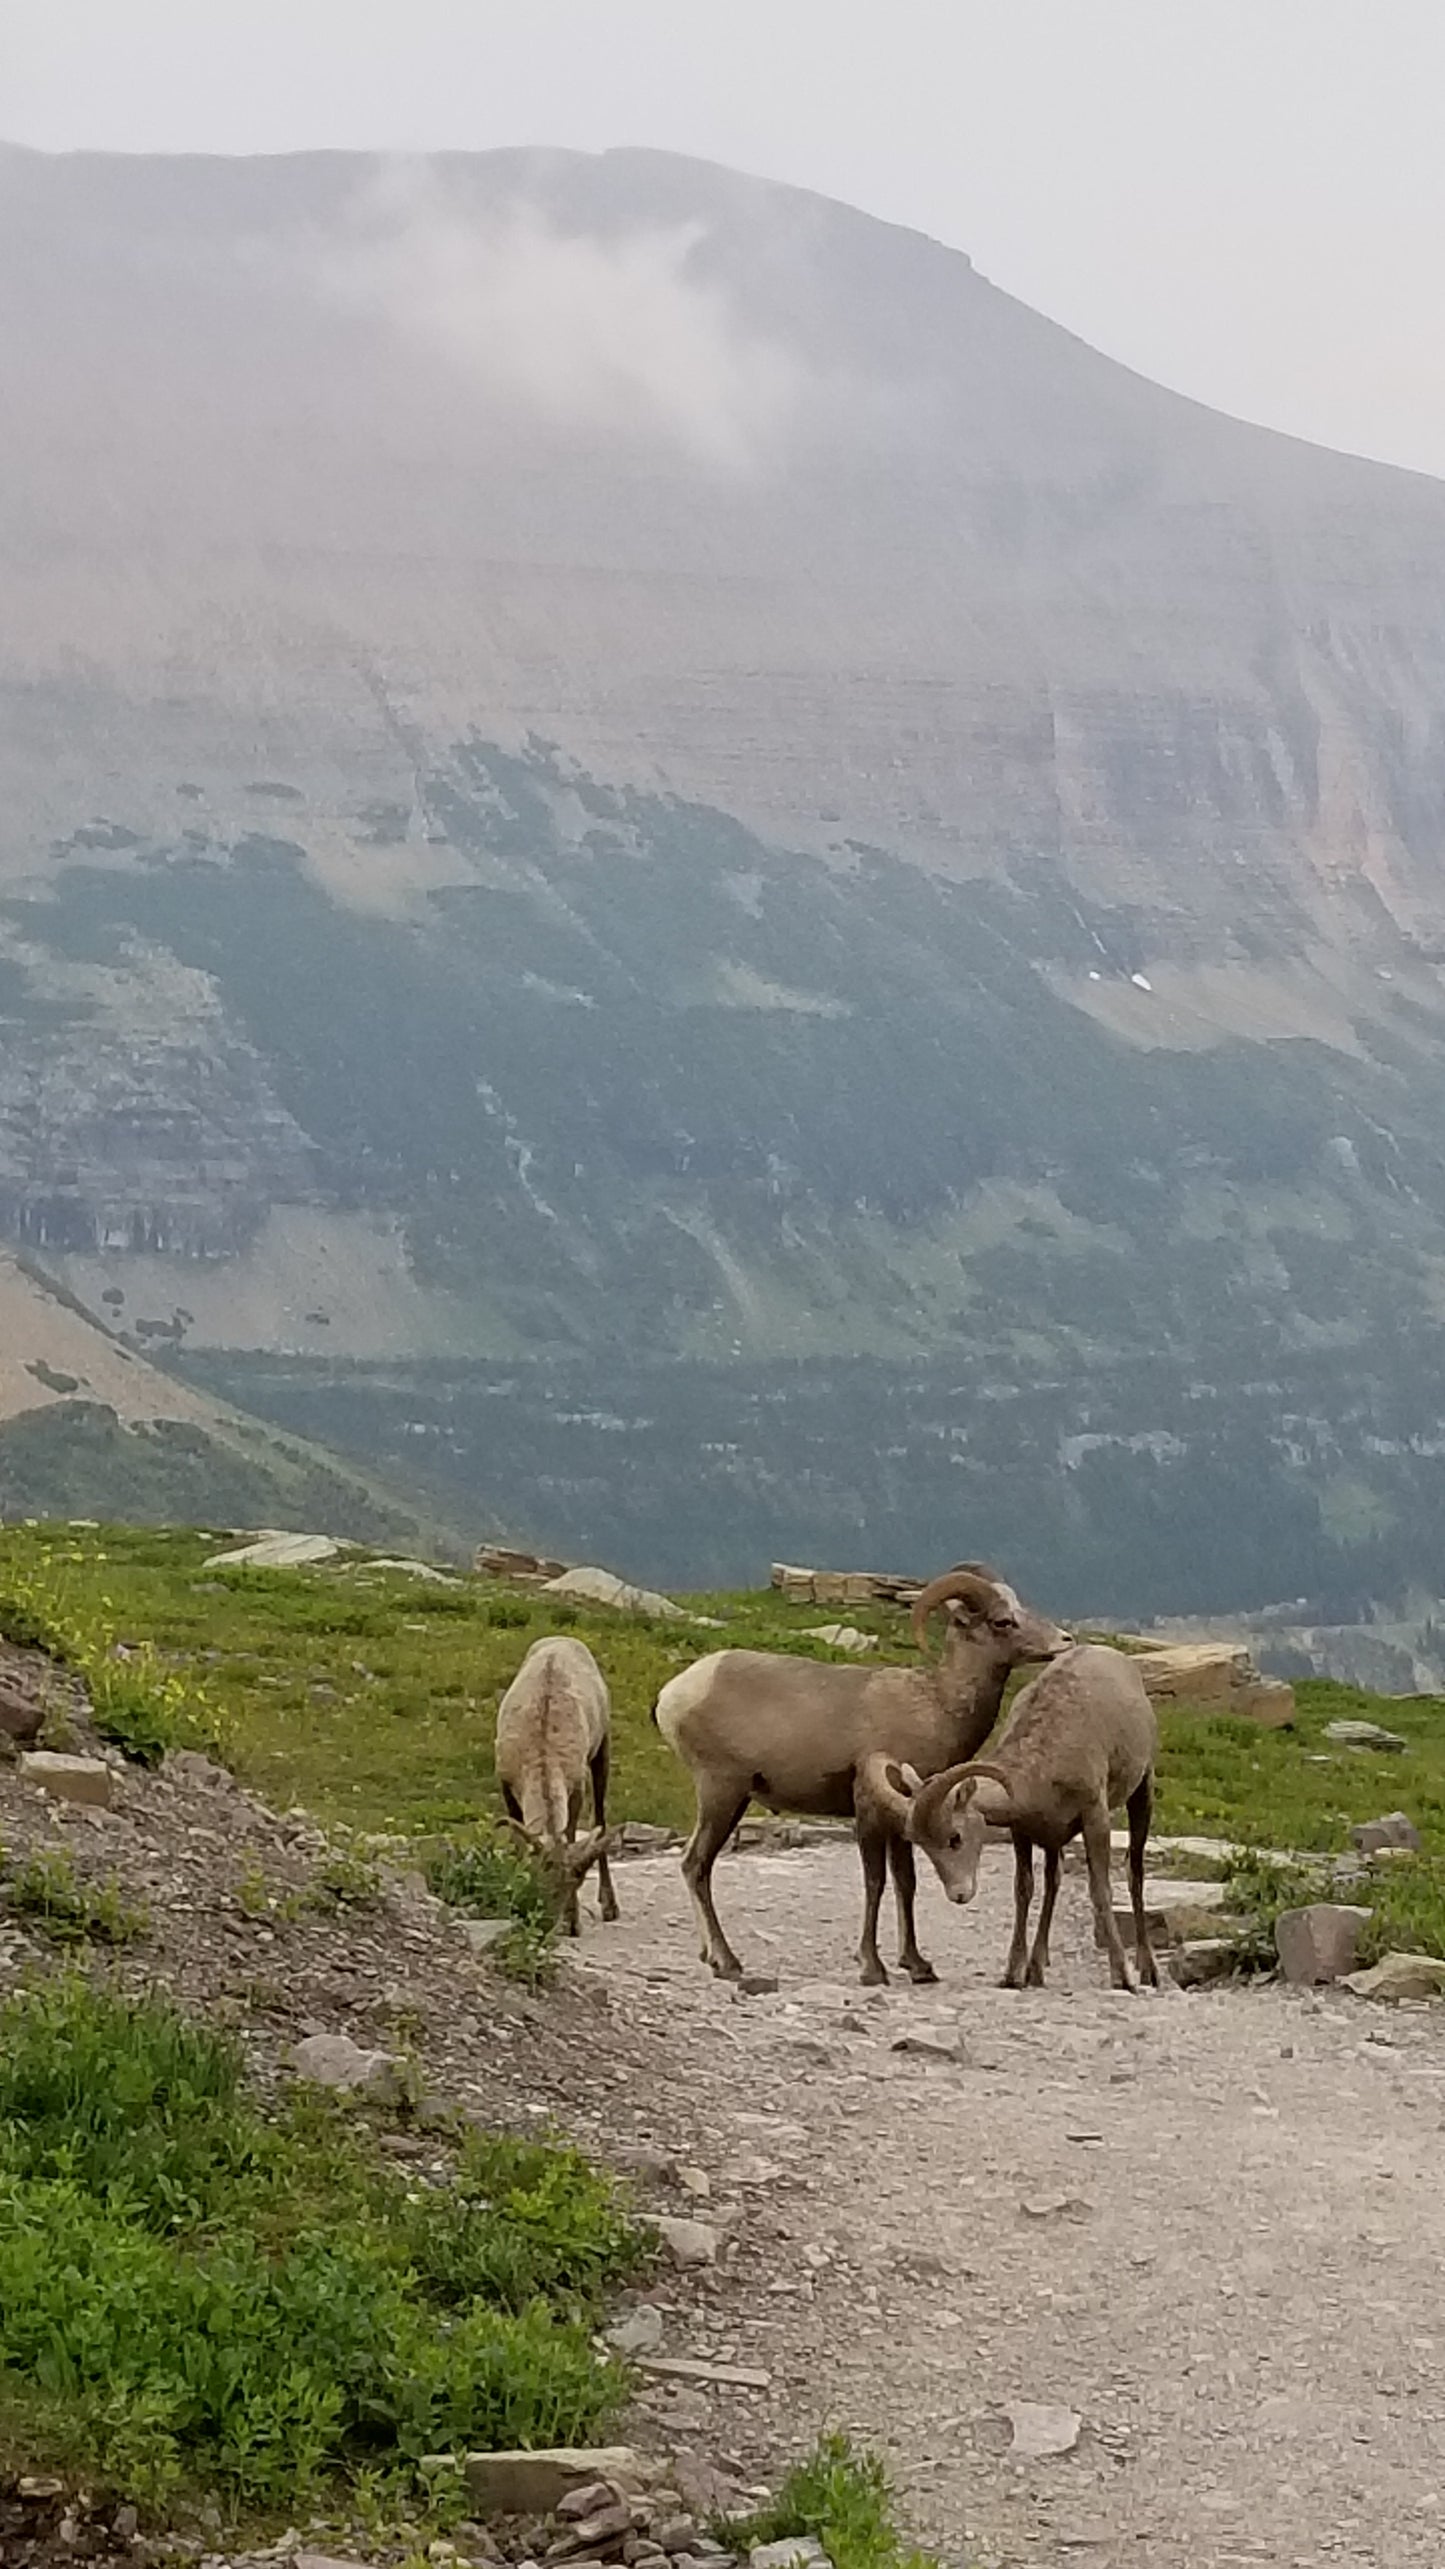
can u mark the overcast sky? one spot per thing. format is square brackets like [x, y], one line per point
[1243, 198]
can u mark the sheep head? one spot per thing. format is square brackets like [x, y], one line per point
[984, 1612]
[947, 1818]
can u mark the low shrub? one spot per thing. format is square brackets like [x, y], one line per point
[194, 2294]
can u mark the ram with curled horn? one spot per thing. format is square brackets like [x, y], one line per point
[1080, 1742]
[554, 1728]
[800, 1736]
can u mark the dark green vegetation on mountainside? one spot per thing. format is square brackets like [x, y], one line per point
[934, 1261]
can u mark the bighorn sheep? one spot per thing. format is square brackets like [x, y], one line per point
[1080, 1742]
[797, 1735]
[553, 1733]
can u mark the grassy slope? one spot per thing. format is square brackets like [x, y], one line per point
[369, 1696]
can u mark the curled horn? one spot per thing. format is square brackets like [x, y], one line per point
[881, 1786]
[973, 1582]
[928, 1803]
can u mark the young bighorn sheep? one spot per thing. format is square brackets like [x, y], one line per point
[797, 1736]
[1080, 1742]
[553, 1731]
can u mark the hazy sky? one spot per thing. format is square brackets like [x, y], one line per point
[1244, 198]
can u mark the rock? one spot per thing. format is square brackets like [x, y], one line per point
[919, 2047]
[1375, 1837]
[696, 2182]
[1319, 1943]
[537, 2483]
[500, 1561]
[688, 2243]
[1266, 1700]
[600, 1588]
[1400, 1976]
[609, 2525]
[756, 1984]
[21, 1716]
[273, 1551]
[1202, 1960]
[69, 1779]
[589, 2500]
[414, 1569]
[690, 2368]
[333, 2060]
[1054, 2207]
[1366, 1735]
[842, 1636]
[640, 2333]
[796, 2551]
[1175, 1911]
[1040, 2431]
[676, 2533]
[1194, 1672]
[482, 1934]
[327, 2560]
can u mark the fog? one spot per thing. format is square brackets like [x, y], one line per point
[1244, 200]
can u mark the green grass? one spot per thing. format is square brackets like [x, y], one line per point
[196, 2294]
[493, 1874]
[1405, 1896]
[841, 2495]
[45, 1892]
[370, 1698]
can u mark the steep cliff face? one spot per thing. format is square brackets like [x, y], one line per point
[606, 765]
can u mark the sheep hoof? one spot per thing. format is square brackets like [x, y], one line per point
[921, 1973]
[1034, 1976]
[873, 1976]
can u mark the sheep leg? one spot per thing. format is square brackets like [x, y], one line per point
[606, 1896]
[905, 1884]
[1141, 1812]
[873, 1848]
[715, 1825]
[1013, 1975]
[1039, 1958]
[1095, 1830]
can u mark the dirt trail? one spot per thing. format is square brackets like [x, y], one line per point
[1245, 2303]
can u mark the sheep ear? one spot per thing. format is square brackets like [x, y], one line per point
[912, 1781]
[901, 1778]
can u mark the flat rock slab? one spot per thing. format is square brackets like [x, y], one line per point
[333, 2060]
[1400, 1977]
[69, 1779]
[1366, 1735]
[273, 1551]
[1395, 1834]
[536, 2483]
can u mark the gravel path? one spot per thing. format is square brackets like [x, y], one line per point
[1230, 2267]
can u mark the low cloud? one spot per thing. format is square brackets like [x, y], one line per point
[616, 336]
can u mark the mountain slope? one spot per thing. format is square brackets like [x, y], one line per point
[628, 792]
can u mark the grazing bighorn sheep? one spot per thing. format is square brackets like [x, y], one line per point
[1080, 1741]
[797, 1735]
[553, 1731]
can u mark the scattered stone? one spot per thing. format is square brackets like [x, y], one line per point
[272, 1551]
[1366, 1735]
[536, 2483]
[333, 2060]
[640, 2333]
[756, 1984]
[578, 2504]
[36, 2486]
[610, 2525]
[1040, 2431]
[327, 2560]
[921, 2047]
[601, 1588]
[69, 1779]
[1202, 1960]
[485, 1934]
[1319, 1943]
[676, 2533]
[21, 1716]
[688, 2368]
[1400, 1976]
[1055, 2207]
[841, 1636]
[688, 2243]
[414, 1569]
[1174, 1911]
[1376, 1837]
[797, 2551]
[696, 2182]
